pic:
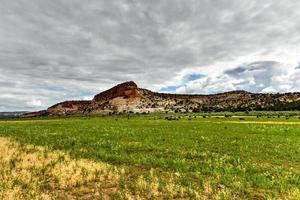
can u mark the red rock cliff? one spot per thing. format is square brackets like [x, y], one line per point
[127, 90]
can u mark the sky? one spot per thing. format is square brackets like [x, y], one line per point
[51, 51]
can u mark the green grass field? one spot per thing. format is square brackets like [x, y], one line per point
[241, 157]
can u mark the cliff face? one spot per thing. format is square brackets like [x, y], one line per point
[128, 97]
[126, 90]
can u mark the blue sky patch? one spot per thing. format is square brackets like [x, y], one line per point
[186, 79]
[192, 77]
[87, 93]
[171, 88]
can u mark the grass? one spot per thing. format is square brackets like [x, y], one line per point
[29, 172]
[193, 157]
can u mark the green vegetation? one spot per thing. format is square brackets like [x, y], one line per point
[222, 156]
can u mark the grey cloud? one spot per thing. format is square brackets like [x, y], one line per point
[92, 45]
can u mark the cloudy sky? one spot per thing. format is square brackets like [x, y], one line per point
[56, 50]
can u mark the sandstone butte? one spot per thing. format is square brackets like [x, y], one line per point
[127, 97]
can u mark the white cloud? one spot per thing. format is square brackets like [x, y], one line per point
[34, 103]
[262, 76]
[87, 97]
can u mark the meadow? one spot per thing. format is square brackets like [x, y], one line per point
[155, 156]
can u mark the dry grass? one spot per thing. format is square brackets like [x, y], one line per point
[263, 122]
[29, 172]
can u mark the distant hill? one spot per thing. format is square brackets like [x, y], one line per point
[128, 97]
[11, 114]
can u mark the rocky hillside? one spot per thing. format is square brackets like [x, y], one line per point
[128, 97]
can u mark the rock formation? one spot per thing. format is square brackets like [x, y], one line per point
[128, 97]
